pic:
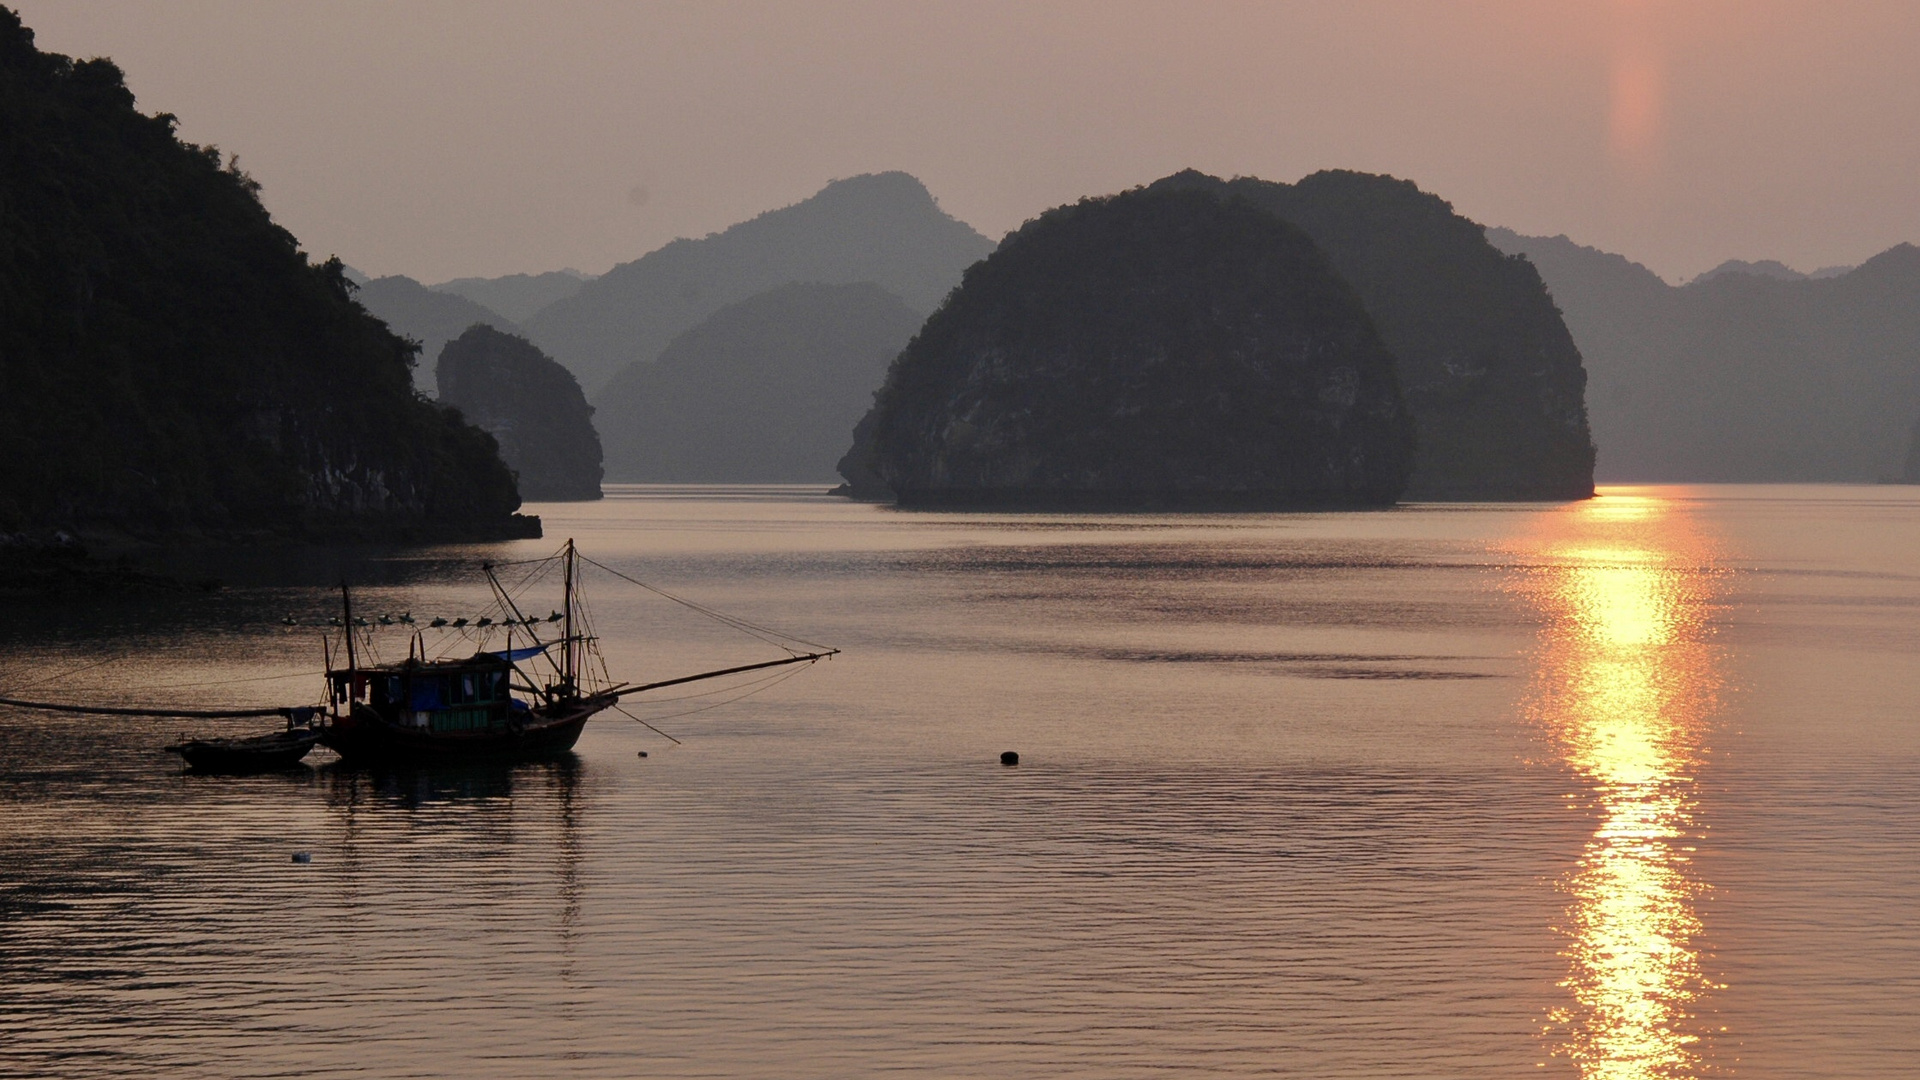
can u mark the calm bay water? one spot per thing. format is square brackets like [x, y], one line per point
[1619, 789]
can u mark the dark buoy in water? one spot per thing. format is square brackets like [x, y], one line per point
[303, 856]
[643, 753]
[1008, 757]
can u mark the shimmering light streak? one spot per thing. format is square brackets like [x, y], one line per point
[1626, 685]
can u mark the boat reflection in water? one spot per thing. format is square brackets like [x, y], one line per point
[489, 813]
[1626, 686]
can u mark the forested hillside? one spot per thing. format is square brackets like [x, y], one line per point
[169, 358]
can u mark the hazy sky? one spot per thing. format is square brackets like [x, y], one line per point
[483, 137]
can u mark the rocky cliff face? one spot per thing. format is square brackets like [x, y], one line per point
[1151, 349]
[531, 405]
[765, 390]
[1491, 375]
[171, 362]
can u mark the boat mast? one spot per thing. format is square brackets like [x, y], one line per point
[346, 623]
[566, 628]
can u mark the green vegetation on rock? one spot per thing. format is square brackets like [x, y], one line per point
[531, 405]
[169, 359]
[1157, 348]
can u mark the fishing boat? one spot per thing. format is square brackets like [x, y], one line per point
[528, 700]
[259, 753]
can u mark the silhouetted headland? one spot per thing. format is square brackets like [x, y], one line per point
[1489, 373]
[175, 366]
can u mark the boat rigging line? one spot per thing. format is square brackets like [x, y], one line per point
[648, 726]
[63, 674]
[763, 633]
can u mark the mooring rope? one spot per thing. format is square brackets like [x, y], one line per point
[163, 714]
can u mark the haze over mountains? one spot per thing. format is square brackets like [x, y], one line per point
[428, 316]
[875, 253]
[1768, 268]
[767, 389]
[517, 296]
[1742, 375]
[882, 228]
[1753, 371]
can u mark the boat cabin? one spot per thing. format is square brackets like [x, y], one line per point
[440, 697]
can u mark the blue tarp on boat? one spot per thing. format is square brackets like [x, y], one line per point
[515, 655]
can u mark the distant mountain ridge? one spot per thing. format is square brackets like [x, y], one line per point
[766, 389]
[1769, 268]
[427, 316]
[883, 228]
[1738, 376]
[517, 296]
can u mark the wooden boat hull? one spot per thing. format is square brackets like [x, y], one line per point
[365, 737]
[266, 753]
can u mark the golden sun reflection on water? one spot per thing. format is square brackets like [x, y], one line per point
[1625, 686]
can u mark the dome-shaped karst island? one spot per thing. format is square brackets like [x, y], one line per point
[533, 408]
[1156, 349]
[1491, 375]
[1491, 378]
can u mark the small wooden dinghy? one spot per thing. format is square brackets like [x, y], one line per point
[261, 753]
